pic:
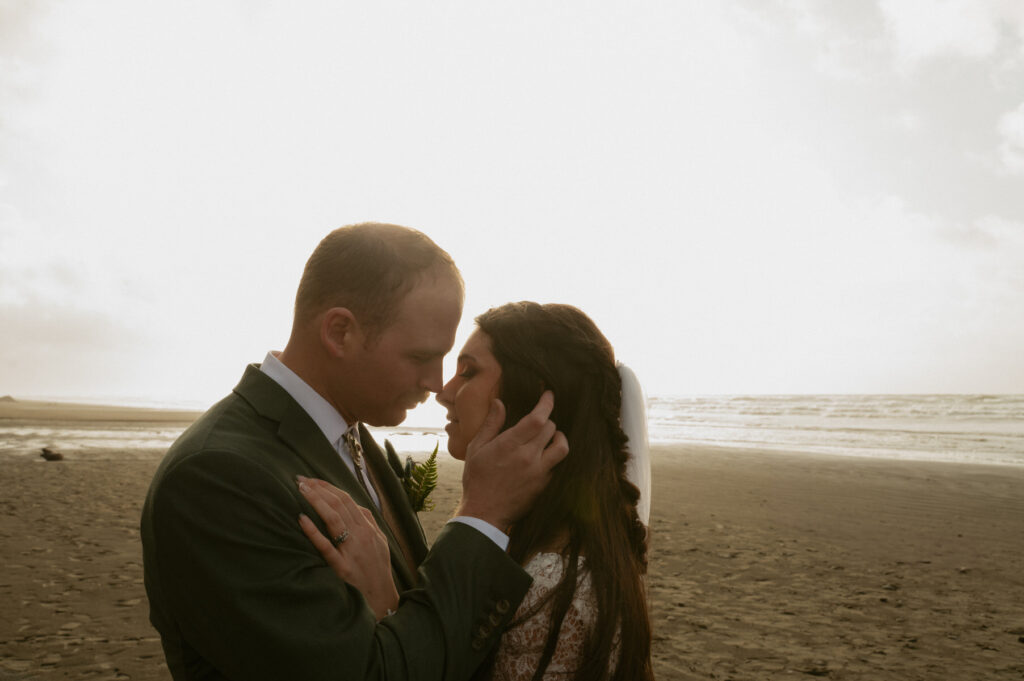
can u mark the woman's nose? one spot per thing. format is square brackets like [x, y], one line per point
[443, 397]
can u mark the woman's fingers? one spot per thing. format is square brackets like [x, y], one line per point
[339, 513]
[368, 517]
[380, 538]
[342, 517]
[362, 559]
[327, 512]
[326, 487]
[345, 499]
[322, 544]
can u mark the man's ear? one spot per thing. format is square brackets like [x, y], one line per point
[339, 331]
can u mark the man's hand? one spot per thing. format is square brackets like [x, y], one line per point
[505, 473]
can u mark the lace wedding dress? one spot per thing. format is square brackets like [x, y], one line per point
[521, 646]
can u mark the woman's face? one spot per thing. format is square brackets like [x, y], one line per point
[468, 395]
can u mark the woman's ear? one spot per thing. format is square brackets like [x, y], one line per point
[339, 331]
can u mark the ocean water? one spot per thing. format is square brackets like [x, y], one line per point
[86, 439]
[962, 428]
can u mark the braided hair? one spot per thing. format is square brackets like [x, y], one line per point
[589, 501]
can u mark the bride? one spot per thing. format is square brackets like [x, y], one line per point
[584, 541]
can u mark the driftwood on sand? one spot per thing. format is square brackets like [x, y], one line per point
[51, 455]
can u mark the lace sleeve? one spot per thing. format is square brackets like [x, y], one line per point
[521, 646]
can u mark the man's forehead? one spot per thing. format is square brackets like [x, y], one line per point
[424, 332]
[427, 316]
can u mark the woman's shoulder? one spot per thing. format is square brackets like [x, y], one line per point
[545, 563]
[547, 570]
[550, 566]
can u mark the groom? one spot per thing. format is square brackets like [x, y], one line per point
[235, 588]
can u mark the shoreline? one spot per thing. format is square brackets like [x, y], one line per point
[48, 411]
[20, 413]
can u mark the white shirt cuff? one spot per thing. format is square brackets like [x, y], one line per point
[489, 531]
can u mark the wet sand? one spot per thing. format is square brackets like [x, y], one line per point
[12, 410]
[764, 566]
[771, 566]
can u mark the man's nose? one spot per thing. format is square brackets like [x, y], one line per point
[434, 378]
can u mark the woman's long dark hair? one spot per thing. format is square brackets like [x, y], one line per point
[588, 498]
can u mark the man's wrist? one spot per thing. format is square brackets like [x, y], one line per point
[485, 528]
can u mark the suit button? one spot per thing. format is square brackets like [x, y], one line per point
[478, 644]
[494, 619]
[483, 632]
[502, 606]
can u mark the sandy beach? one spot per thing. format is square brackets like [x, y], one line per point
[763, 566]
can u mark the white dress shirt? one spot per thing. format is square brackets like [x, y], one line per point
[334, 426]
[323, 413]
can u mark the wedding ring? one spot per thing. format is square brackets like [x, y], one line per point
[340, 539]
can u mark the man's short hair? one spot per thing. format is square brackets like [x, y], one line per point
[369, 268]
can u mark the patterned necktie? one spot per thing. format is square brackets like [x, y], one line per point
[355, 450]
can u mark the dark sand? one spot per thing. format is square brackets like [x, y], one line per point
[764, 566]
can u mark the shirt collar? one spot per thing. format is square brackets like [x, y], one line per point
[320, 410]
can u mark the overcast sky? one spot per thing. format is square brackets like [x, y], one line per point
[748, 197]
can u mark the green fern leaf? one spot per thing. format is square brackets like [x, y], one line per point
[420, 480]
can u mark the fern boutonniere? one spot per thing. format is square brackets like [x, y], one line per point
[419, 481]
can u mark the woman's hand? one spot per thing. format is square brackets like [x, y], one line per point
[358, 552]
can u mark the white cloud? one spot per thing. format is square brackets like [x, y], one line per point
[937, 303]
[845, 38]
[925, 29]
[23, 54]
[854, 39]
[1011, 147]
[998, 245]
[67, 322]
[684, 175]
[41, 267]
[909, 121]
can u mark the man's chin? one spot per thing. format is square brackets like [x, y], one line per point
[387, 420]
[393, 417]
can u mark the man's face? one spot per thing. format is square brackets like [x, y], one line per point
[403, 365]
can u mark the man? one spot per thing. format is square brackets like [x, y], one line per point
[236, 590]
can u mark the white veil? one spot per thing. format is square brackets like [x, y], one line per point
[634, 424]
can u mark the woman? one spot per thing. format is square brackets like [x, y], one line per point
[583, 541]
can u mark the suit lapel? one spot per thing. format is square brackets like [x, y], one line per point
[301, 434]
[296, 429]
[390, 485]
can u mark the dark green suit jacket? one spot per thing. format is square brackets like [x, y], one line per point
[237, 591]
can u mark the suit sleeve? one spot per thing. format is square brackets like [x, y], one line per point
[249, 592]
